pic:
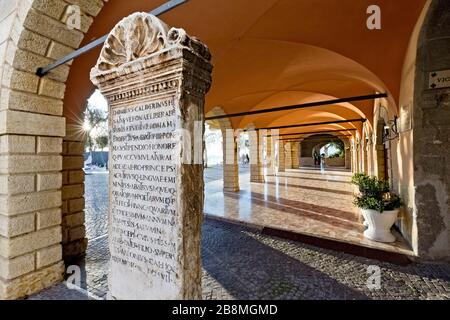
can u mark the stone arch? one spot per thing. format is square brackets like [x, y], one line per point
[48, 162]
[230, 150]
[312, 143]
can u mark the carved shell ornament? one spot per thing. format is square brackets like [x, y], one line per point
[136, 36]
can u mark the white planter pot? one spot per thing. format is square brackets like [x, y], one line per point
[379, 224]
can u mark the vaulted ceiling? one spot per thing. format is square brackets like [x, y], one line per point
[271, 53]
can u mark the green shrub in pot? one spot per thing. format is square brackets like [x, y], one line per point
[379, 206]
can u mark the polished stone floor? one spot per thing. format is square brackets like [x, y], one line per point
[241, 263]
[308, 201]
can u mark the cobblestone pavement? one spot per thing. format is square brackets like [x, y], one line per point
[96, 198]
[241, 263]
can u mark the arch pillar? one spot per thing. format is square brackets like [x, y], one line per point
[295, 155]
[281, 161]
[365, 161]
[74, 239]
[356, 152]
[230, 151]
[32, 132]
[288, 155]
[431, 137]
[369, 153]
[270, 154]
[347, 154]
[356, 156]
[256, 156]
[230, 161]
[380, 151]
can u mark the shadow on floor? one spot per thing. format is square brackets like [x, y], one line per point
[334, 217]
[309, 178]
[290, 185]
[274, 274]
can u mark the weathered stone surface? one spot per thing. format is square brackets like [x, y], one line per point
[256, 157]
[17, 144]
[14, 247]
[16, 122]
[49, 145]
[23, 203]
[50, 181]
[32, 282]
[13, 268]
[431, 149]
[161, 77]
[29, 163]
[15, 226]
[48, 218]
[48, 256]
[21, 101]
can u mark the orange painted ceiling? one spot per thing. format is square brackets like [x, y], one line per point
[271, 53]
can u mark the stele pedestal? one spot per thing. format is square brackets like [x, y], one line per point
[155, 79]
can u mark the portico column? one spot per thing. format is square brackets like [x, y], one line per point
[348, 155]
[354, 157]
[270, 155]
[288, 155]
[358, 157]
[230, 161]
[295, 155]
[369, 155]
[300, 153]
[256, 157]
[281, 157]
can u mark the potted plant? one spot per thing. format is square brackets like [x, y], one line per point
[379, 206]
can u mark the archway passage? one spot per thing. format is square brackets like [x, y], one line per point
[266, 54]
[323, 150]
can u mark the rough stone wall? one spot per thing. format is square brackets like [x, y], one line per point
[402, 148]
[33, 34]
[432, 136]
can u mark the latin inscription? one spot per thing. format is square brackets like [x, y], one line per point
[143, 232]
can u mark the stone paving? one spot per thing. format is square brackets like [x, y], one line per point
[241, 263]
[307, 201]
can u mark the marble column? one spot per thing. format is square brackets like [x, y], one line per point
[155, 79]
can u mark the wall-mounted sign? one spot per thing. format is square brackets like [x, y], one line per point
[439, 79]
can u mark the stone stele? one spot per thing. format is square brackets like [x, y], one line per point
[155, 79]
